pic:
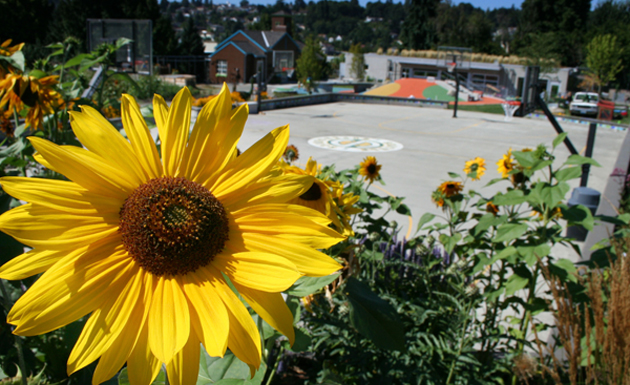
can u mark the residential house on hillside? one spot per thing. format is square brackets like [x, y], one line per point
[235, 60]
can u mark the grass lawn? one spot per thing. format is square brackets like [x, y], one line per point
[488, 108]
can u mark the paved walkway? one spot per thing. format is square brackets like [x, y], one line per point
[433, 142]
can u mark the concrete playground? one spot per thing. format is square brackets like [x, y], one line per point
[433, 143]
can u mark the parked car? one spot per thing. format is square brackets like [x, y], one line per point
[584, 103]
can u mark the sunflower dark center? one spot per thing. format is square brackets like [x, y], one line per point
[172, 226]
[371, 169]
[313, 193]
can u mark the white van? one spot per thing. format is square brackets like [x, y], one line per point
[584, 103]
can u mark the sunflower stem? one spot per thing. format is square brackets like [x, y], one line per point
[18, 341]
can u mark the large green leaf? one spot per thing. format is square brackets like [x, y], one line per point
[503, 254]
[553, 195]
[568, 173]
[309, 285]
[579, 159]
[515, 283]
[510, 198]
[374, 317]
[578, 215]
[227, 370]
[424, 219]
[509, 231]
[531, 253]
[559, 139]
[450, 241]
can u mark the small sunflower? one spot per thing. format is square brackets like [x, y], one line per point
[475, 168]
[39, 94]
[506, 164]
[370, 169]
[291, 154]
[346, 206]
[450, 188]
[492, 208]
[7, 50]
[146, 243]
[319, 194]
[438, 198]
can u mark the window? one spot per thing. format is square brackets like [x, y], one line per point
[282, 60]
[222, 68]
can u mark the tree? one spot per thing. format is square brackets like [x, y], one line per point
[190, 42]
[310, 65]
[417, 31]
[604, 59]
[164, 38]
[357, 66]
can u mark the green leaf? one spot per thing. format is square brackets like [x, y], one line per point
[622, 219]
[488, 220]
[374, 317]
[454, 175]
[503, 254]
[553, 195]
[515, 283]
[426, 218]
[568, 173]
[531, 253]
[509, 231]
[227, 370]
[403, 209]
[525, 159]
[450, 242]
[309, 285]
[510, 198]
[579, 159]
[578, 215]
[559, 139]
[76, 60]
[302, 341]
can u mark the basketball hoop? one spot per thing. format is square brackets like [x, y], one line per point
[450, 66]
[288, 71]
[510, 107]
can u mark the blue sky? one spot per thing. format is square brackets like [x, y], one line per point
[483, 4]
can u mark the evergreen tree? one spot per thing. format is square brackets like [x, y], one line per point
[604, 59]
[190, 42]
[357, 66]
[310, 65]
[417, 30]
[164, 38]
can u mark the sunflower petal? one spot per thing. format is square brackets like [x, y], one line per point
[34, 262]
[107, 322]
[178, 124]
[37, 226]
[184, 367]
[272, 308]
[99, 136]
[253, 163]
[209, 318]
[169, 319]
[160, 114]
[245, 269]
[140, 138]
[83, 168]
[287, 226]
[307, 260]
[59, 195]
[114, 358]
[204, 148]
[142, 365]
[227, 151]
[269, 190]
[243, 340]
[87, 282]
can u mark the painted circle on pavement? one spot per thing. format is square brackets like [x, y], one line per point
[355, 144]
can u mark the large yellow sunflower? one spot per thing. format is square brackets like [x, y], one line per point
[369, 169]
[147, 243]
[506, 164]
[475, 168]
